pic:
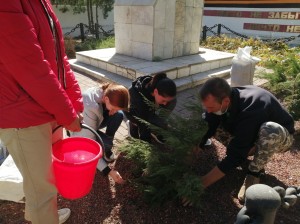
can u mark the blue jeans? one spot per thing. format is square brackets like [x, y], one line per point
[112, 123]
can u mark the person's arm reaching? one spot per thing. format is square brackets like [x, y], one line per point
[211, 177]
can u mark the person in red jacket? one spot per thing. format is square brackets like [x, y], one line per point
[38, 91]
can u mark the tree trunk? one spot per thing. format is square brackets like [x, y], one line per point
[89, 6]
[88, 13]
[92, 17]
[97, 22]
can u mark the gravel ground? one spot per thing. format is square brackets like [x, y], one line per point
[110, 203]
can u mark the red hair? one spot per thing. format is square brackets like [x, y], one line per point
[118, 95]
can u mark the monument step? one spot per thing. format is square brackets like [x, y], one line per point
[181, 83]
[98, 73]
[201, 77]
[179, 67]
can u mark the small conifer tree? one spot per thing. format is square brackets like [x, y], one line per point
[167, 172]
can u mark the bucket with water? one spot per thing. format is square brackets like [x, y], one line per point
[74, 162]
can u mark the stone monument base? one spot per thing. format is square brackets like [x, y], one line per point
[186, 71]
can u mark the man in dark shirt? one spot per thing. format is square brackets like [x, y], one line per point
[254, 123]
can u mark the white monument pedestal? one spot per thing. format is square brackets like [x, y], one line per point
[157, 29]
[153, 36]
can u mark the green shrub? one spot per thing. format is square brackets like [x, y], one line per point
[169, 169]
[92, 44]
[70, 47]
[260, 49]
[285, 80]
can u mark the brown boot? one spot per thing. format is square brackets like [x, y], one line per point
[249, 180]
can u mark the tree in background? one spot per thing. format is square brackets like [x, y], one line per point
[82, 6]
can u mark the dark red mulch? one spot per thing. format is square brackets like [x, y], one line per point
[107, 203]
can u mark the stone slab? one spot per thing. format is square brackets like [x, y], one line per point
[181, 83]
[183, 66]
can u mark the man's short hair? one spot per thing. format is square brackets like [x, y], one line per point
[217, 87]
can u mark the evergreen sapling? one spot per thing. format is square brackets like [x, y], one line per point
[167, 172]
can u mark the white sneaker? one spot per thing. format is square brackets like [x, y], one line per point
[110, 159]
[128, 127]
[208, 142]
[63, 215]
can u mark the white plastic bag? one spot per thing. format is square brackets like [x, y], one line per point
[243, 66]
[11, 182]
[3, 153]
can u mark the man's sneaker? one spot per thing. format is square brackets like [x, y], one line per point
[63, 215]
[111, 158]
[157, 138]
[249, 180]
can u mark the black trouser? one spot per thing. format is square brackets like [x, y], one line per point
[112, 123]
[142, 131]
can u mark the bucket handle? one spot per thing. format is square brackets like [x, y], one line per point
[84, 126]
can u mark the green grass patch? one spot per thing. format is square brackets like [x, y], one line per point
[261, 49]
[72, 45]
[93, 44]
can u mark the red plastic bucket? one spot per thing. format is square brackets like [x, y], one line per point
[74, 162]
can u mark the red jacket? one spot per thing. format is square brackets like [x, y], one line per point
[36, 82]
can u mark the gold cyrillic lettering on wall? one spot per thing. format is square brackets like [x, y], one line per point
[277, 15]
[297, 15]
[290, 29]
[272, 27]
[295, 29]
[271, 15]
[254, 14]
[284, 15]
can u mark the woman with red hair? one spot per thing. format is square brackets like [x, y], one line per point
[103, 108]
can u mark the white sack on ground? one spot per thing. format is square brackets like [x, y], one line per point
[11, 182]
[3, 153]
[243, 67]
